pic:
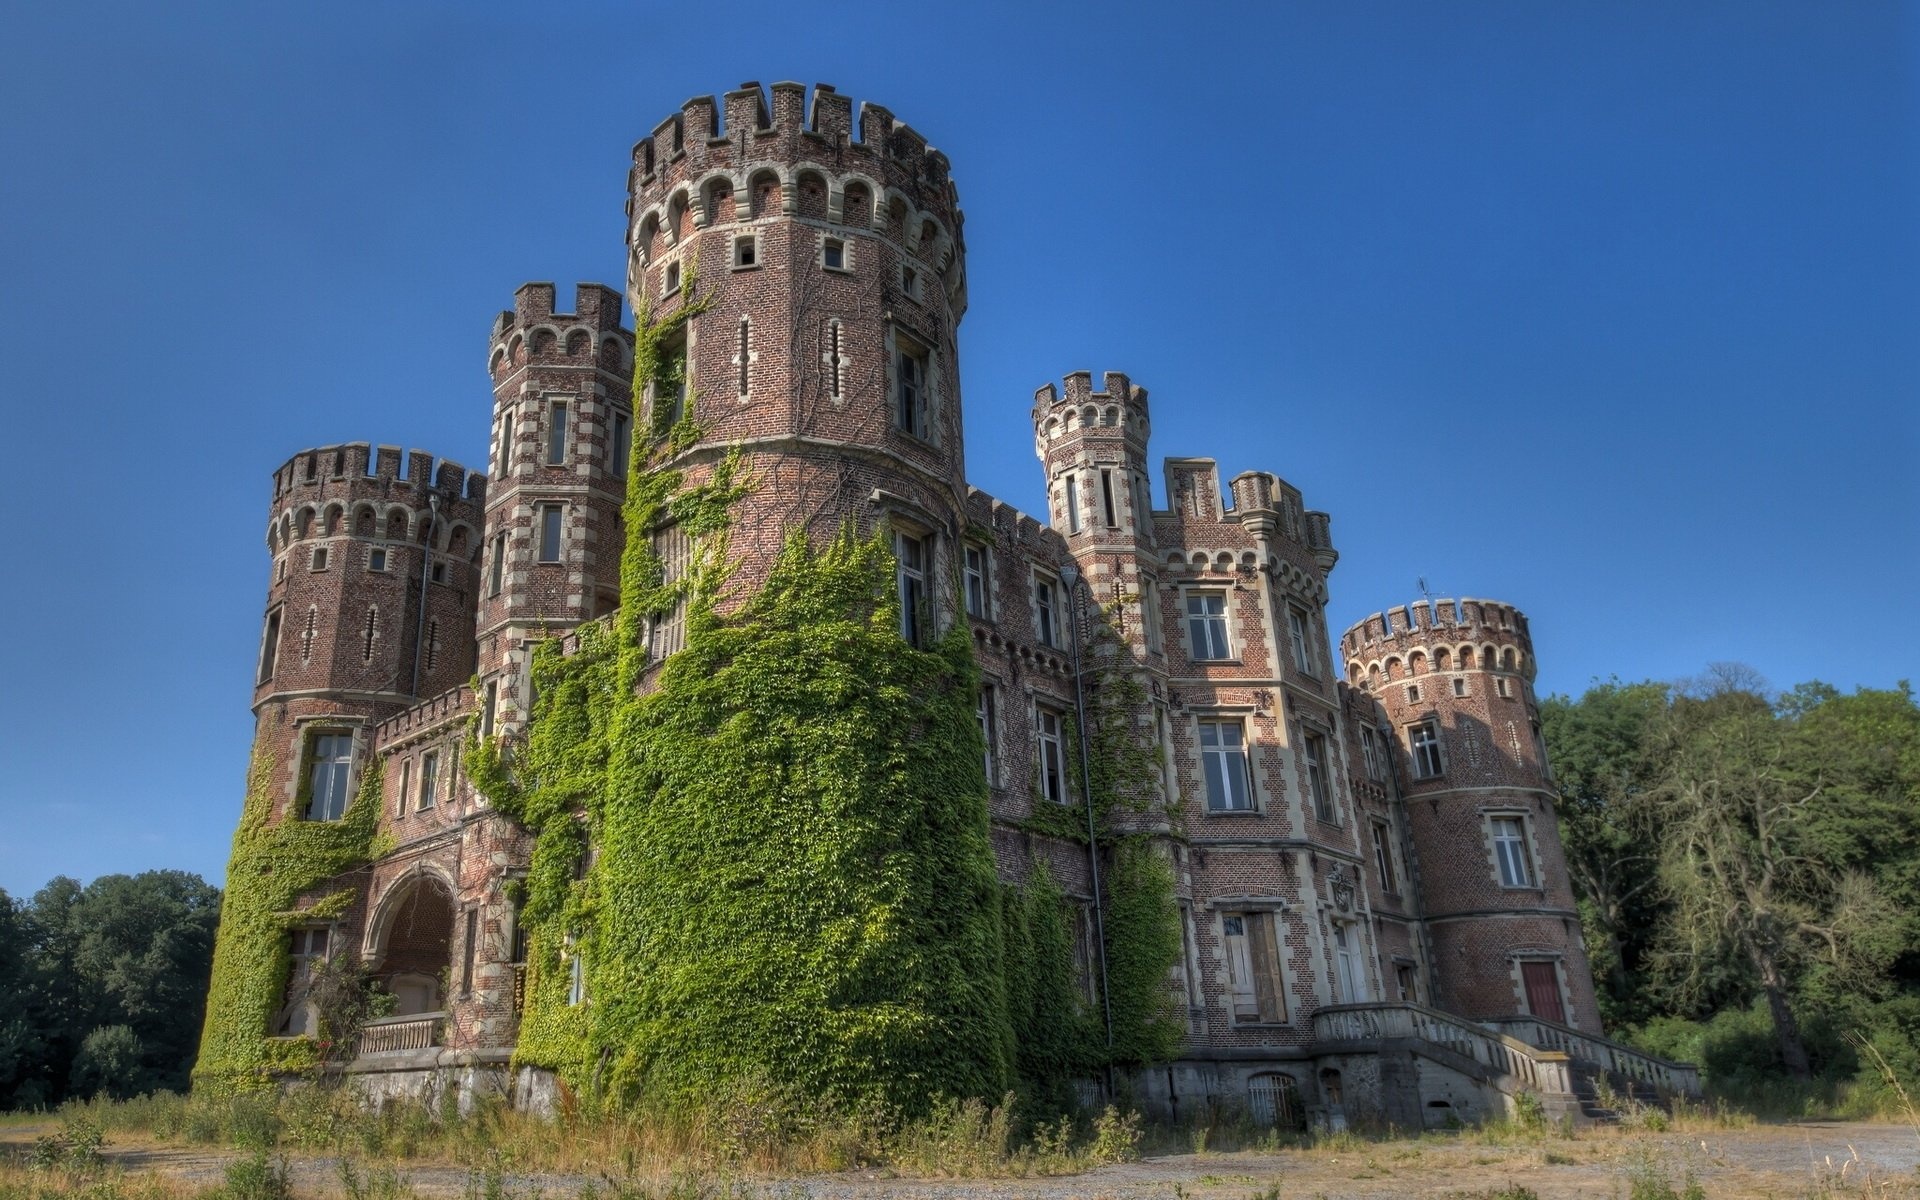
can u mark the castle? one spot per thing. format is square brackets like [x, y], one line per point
[1374, 912]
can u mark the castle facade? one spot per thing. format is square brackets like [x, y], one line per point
[1374, 909]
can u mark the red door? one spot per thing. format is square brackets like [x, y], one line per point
[1542, 982]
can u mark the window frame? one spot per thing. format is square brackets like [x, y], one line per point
[1318, 765]
[745, 254]
[620, 444]
[551, 534]
[912, 402]
[913, 585]
[1298, 622]
[377, 560]
[1383, 859]
[976, 572]
[559, 433]
[986, 705]
[1424, 749]
[337, 770]
[1055, 785]
[429, 782]
[1512, 853]
[1373, 753]
[269, 646]
[497, 571]
[1195, 622]
[1218, 761]
[1046, 612]
[1150, 614]
[1248, 1001]
[830, 243]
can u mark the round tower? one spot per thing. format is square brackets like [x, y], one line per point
[806, 273]
[562, 432]
[1093, 447]
[1455, 680]
[369, 607]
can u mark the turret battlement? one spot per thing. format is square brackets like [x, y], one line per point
[1471, 634]
[743, 128]
[326, 470]
[1077, 407]
[533, 331]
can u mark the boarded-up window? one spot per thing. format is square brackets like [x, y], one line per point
[1253, 967]
[668, 627]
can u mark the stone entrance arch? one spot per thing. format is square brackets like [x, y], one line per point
[410, 949]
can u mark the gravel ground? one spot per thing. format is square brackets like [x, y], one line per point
[1814, 1159]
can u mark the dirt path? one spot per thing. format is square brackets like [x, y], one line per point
[1772, 1161]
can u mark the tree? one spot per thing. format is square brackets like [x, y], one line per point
[1741, 865]
[1605, 773]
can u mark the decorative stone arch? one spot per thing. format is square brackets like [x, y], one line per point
[1417, 663]
[709, 190]
[332, 518]
[896, 200]
[541, 339]
[404, 516]
[365, 520]
[746, 196]
[809, 173]
[678, 201]
[620, 357]
[409, 941]
[579, 341]
[644, 231]
[303, 521]
[837, 200]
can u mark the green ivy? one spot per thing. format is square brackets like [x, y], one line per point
[272, 865]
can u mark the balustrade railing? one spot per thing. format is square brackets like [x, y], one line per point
[1604, 1053]
[416, 1031]
[1515, 1065]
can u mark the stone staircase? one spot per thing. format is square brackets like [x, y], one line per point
[1560, 1065]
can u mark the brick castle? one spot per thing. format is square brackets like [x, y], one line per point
[1374, 905]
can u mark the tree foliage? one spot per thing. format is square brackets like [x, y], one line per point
[102, 986]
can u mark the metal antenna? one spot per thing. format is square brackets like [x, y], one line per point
[1425, 591]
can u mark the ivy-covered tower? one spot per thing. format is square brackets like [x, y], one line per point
[818, 254]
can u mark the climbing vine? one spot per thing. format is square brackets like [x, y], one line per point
[272, 866]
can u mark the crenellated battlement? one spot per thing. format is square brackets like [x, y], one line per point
[742, 158]
[533, 331]
[1455, 625]
[323, 491]
[1077, 408]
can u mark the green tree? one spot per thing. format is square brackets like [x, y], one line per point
[1604, 769]
[1741, 864]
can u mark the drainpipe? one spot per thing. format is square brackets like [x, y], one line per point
[1070, 575]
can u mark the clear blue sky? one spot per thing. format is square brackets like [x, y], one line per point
[1611, 310]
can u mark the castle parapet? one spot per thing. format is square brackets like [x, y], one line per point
[1483, 634]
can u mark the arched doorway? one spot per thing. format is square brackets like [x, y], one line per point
[413, 943]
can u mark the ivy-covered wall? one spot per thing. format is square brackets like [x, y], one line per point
[272, 866]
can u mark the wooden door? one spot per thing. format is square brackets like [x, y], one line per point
[1542, 981]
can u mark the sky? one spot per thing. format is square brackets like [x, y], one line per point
[1610, 310]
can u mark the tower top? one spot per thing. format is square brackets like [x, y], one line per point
[1486, 634]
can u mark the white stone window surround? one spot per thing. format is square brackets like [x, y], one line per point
[1224, 910]
[835, 359]
[825, 237]
[557, 413]
[744, 252]
[1227, 715]
[743, 358]
[1500, 858]
[1221, 623]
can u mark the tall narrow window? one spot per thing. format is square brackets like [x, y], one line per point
[988, 729]
[550, 516]
[1150, 612]
[1374, 752]
[1510, 852]
[743, 355]
[373, 629]
[1109, 516]
[671, 284]
[557, 432]
[912, 554]
[975, 571]
[1347, 969]
[488, 709]
[499, 568]
[576, 975]
[1253, 967]
[406, 787]
[1424, 740]
[1207, 625]
[1072, 487]
[1052, 755]
[332, 763]
[833, 359]
[1046, 618]
[910, 387]
[622, 445]
[472, 945]
[1223, 760]
[667, 628]
[429, 780]
[269, 647]
[1383, 856]
[1297, 638]
[1313, 750]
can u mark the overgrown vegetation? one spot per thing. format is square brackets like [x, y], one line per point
[1749, 872]
[772, 864]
